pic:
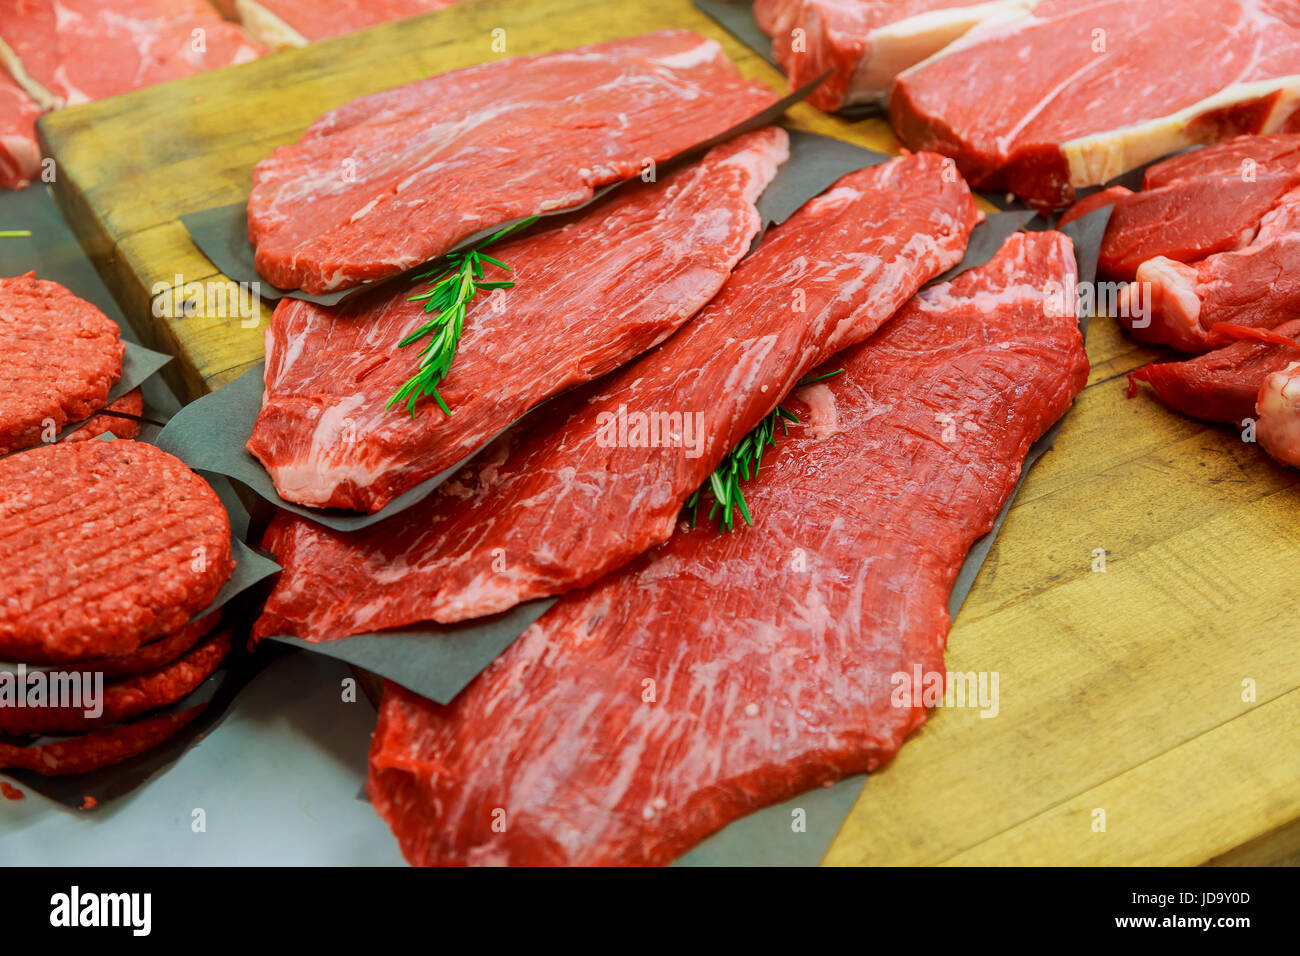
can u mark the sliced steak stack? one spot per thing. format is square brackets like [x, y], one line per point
[558, 505]
[775, 653]
[592, 293]
[397, 178]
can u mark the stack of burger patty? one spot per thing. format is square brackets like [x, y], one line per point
[110, 553]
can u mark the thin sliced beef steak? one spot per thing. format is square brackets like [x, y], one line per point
[394, 179]
[66, 52]
[1222, 385]
[1258, 286]
[777, 653]
[1098, 200]
[1089, 90]
[20, 156]
[590, 295]
[276, 24]
[1188, 221]
[584, 493]
[864, 44]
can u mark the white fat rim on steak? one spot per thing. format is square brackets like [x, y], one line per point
[1103, 156]
[896, 47]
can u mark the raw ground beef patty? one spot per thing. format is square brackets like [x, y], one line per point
[101, 748]
[61, 357]
[155, 654]
[104, 546]
[132, 403]
[126, 698]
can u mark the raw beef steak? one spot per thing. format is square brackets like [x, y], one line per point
[558, 506]
[864, 44]
[1086, 91]
[1258, 286]
[396, 178]
[20, 156]
[590, 295]
[276, 24]
[66, 52]
[1222, 385]
[1243, 156]
[782, 657]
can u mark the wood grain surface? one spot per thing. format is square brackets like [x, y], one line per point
[1120, 690]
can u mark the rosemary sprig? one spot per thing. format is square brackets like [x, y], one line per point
[743, 462]
[453, 285]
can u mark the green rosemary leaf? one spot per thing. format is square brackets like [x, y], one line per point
[743, 463]
[453, 284]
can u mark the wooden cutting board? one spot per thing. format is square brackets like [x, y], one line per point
[1121, 690]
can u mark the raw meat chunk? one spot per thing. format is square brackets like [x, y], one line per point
[866, 43]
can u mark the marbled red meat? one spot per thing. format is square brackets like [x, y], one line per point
[1221, 385]
[67, 52]
[284, 23]
[776, 653]
[20, 154]
[394, 179]
[864, 44]
[1197, 203]
[559, 505]
[650, 256]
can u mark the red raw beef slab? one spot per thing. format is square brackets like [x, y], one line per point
[396, 178]
[559, 505]
[776, 652]
[82, 50]
[651, 255]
